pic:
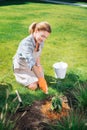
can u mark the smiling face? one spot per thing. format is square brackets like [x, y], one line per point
[40, 36]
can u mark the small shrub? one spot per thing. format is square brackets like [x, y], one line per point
[56, 104]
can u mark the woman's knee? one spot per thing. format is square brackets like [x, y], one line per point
[33, 86]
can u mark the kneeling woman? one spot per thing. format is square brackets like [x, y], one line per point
[26, 62]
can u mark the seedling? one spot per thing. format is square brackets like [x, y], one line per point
[56, 104]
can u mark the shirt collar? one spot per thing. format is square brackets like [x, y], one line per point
[32, 38]
[33, 41]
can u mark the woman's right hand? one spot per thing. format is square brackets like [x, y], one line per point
[41, 81]
[43, 85]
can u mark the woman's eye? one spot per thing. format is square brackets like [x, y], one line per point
[43, 36]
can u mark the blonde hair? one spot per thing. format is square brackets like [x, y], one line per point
[39, 26]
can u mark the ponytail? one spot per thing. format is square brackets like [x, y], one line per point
[32, 27]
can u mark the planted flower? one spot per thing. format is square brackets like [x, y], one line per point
[56, 104]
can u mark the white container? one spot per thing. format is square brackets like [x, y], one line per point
[60, 69]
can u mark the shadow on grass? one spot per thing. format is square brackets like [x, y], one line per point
[65, 84]
[8, 96]
[5, 88]
[18, 2]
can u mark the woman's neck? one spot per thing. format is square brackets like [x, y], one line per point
[37, 44]
[37, 47]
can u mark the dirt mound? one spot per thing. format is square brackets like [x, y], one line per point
[38, 116]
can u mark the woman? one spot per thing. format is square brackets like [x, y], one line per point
[27, 68]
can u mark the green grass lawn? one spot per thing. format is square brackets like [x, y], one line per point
[68, 42]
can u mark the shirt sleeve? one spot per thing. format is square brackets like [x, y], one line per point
[25, 51]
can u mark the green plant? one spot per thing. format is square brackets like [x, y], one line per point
[80, 94]
[74, 121]
[56, 104]
[6, 122]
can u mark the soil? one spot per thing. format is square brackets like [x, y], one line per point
[39, 115]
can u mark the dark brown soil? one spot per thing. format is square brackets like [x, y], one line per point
[39, 116]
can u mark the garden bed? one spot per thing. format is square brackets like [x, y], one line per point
[39, 115]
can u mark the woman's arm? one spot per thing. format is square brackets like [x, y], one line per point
[38, 64]
[38, 61]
